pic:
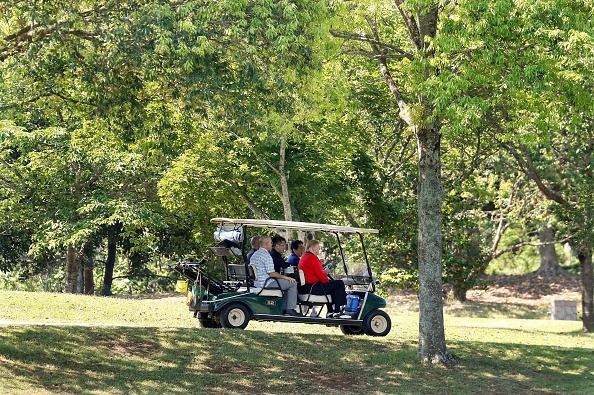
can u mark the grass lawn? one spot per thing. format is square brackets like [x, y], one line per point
[153, 346]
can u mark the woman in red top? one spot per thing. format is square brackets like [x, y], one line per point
[317, 281]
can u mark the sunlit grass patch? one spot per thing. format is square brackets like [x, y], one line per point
[162, 350]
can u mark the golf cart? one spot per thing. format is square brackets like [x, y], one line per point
[234, 301]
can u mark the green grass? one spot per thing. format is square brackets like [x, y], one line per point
[162, 351]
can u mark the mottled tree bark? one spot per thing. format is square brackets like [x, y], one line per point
[71, 270]
[432, 345]
[549, 262]
[585, 257]
[88, 258]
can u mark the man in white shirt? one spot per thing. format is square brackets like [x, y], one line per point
[269, 278]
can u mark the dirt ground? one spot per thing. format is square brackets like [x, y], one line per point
[528, 290]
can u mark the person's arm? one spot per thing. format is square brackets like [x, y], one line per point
[281, 277]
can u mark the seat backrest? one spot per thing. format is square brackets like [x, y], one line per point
[237, 272]
[253, 272]
[300, 277]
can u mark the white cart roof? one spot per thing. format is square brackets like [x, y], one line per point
[292, 225]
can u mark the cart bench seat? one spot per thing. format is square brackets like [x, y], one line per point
[309, 298]
[263, 291]
[314, 299]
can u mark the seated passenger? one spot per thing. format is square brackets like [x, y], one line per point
[278, 248]
[255, 243]
[297, 250]
[317, 281]
[270, 279]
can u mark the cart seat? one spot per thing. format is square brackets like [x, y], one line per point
[309, 298]
[315, 299]
[266, 291]
[239, 271]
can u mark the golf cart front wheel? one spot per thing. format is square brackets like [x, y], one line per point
[235, 316]
[377, 323]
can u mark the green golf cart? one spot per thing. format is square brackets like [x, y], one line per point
[234, 301]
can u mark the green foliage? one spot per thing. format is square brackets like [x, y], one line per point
[159, 115]
[465, 255]
[107, 95]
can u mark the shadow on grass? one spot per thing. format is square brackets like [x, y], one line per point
[81, 360]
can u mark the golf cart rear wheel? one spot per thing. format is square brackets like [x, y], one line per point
[377, 323]
[206, 322]
[235, 316]
[352, 330]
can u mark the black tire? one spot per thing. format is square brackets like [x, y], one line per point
[235, 316]
[377, 323]
[206, 322]
[352, 330]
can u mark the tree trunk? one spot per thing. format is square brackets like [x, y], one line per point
[585, 257]
[549, 263]
[432, 345]
[285, 198]
[112, 239]
[568, 254]
[71, 270]
[422, 24]
[89, 280]
[88, 257]
[460, 294]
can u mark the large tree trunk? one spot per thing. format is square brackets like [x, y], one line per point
[112, 239]
[432, 345]
[415, 111]
[285, 198]
[89, 288]
[88, 256]
[71, 270]
[585, 257]
[549, 263]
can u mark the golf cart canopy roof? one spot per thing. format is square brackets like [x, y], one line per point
[291, 225]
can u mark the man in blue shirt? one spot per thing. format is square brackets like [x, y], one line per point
[268, 277]
[255, 243]
[297, 250]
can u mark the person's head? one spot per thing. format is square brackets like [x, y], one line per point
[255, 242]
[298, 248]
[279, 243]
[266, 242]
[313, 246]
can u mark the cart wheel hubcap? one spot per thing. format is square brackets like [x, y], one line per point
[236, 317]
[379, 324]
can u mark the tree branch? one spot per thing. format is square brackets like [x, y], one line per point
[26, 35]
[503, 224]
[526, 165]
[249, 202]
[349, 217]
[12, 168]
[515, 247]
[362, 37]
[260, 158]
[411, 24]
[533, 174]
[9, 183]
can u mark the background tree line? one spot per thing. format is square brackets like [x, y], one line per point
[126, 125]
